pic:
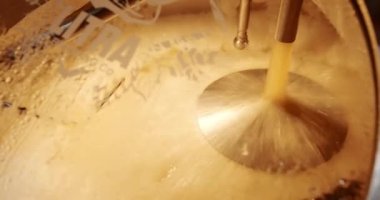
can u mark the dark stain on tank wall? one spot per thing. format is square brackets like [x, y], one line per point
[345, 190]
[25, 48]
[7, 57]
[6, 104]
[22, 110]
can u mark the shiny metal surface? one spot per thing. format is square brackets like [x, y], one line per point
[298, 133]
[287, 24]
[374, 53]
[291, 134]
[241, 39]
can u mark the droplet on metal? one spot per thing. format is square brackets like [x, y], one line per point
[240, 42]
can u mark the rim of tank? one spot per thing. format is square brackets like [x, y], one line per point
[365, 22]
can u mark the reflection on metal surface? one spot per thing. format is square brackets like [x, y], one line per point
[241, 39]
[301, 132]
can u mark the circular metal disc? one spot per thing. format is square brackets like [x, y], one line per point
[303, 131]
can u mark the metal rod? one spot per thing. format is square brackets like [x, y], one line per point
[241, 39]
[287, 23]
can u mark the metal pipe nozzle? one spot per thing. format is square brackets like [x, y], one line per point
[241, 39]
[287, 23]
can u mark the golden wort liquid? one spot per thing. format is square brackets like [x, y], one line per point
[277, 76]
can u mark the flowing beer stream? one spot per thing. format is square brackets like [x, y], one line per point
[286, 32]
[277, 77]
